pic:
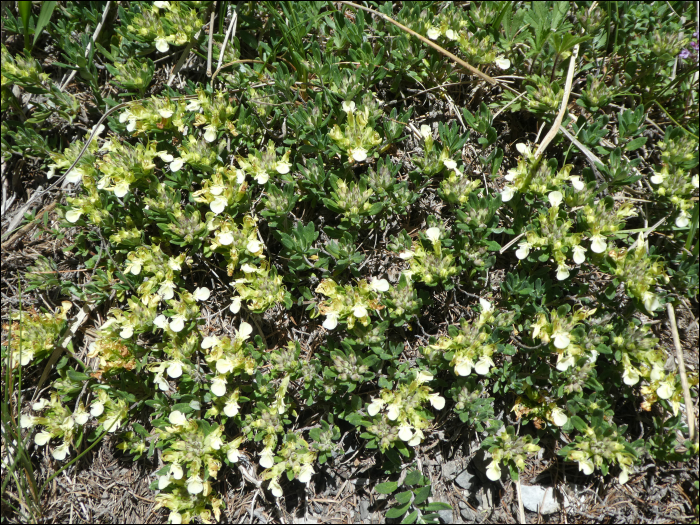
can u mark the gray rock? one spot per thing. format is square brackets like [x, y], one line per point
[539, 499]
[449, 469]
[468, 514]
[446, 516]
[466, 480]
[364, 509]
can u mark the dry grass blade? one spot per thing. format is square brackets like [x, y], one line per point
[689, 407]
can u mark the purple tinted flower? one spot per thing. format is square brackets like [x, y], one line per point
[684, 54]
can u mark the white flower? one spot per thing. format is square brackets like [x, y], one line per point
[75, 176]
[175, 518]
[218, 386]
[217, 206]
[359, 154]
[275, 488]
[405, 255]
[579, 254]
[657, 372]
[379, 285]
[433, 234]
[123, 117]
[167, 290]
[247, 268]
[651, 301]
[177, 418]
[267, 458]
[598, 243]
[162, 5]
[405, 432]
[283, 167]
[97, 408]
[163, 482]
[464, 367]
[437, 401]
[523, 149]
[423, 377]
[425, 131]
[112, 423]
[695, 181]
[42, 438]
[209, 342]
[233, 455]
[161, 382]
[577, 183]
[683, 219]
[162, 44]
[559, 417]
[555, 198]
[502, 62]
[175, 369]
[176, 165]
[359, 311]
[305, 473]
[61, 451]
[562, 272]
[331, 321]
[624, 476]
[392, 411]
[523, 250]
[254, 246]
[416, 439]
[224, 365]
[41, 404]
[73, 215]
[564, 364]
[235, 305]
[126, 332]
[433, 33]
[131, 126]
[665, 391]
[201, 294]
[161, 321]
[561, 339]
[195, 485]
[586, 466]
[262, 178]
[493, 471]
[508, 193]
[483, 366]
[224, 238]
[210, 133]
[348, 106]
[26, 421]
[165, 112]
[450, 34]
[375, 406]
[193, 105]
[231, 408]
[240, 176]
[630, 376]
[244, 331]
[657, 178]
[486, 306]
[449, 164]
[121, 189]
[177, 323]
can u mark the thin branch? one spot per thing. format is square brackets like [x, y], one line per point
[689, 407]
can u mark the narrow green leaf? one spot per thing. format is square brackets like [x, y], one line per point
[44, 17]
[437, 505]
[397, 512]
[411, 518]
[412, 478]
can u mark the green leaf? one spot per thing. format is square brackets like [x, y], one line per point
[436, 505]
[404, 497]
[386, 488]
[44, 17]
[635, 143]
[411, 518]
[397, 512]
[77, 376]
[422, 494]
[412, 478]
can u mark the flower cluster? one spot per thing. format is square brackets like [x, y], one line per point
[294, 457]
[228, 357]
[640, 272]
[533, 176]
[430, 265]
[350, 303]
[166, 24]
[434, 160]
[509, 449]
[600, 446]
[261, 287]
[602, 219]
[478, 49]
[238, 243]
[558, 330]
[357, 137]
[468, 345]
[402, 416]
[33, 335]
[260, 165]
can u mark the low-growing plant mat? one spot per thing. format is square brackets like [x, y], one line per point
[350, 263]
